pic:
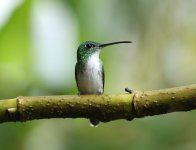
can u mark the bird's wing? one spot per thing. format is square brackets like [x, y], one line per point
[103, 77]
[76, 77]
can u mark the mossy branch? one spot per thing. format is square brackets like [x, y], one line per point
[104, 107]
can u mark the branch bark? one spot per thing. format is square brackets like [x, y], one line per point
[106, 107]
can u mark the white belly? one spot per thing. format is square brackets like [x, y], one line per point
[90, 80]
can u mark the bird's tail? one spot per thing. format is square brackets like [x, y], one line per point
[94, 122]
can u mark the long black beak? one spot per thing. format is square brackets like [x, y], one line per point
[113, 43]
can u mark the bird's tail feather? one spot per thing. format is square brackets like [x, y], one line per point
[94, 122]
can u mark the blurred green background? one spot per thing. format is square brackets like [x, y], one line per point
[38, 44]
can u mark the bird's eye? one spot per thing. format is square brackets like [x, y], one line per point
[88, 45]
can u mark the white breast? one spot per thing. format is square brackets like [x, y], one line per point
[91, 80]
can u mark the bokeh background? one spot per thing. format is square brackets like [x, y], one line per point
[38, 44]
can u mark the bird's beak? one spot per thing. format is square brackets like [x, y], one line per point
[113, 43]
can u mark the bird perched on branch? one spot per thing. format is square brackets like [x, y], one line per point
[89, 70]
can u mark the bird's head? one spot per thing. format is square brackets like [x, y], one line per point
[86, 49]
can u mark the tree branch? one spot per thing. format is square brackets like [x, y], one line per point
[104, 107]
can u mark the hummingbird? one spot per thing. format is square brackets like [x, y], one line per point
[89, 70]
